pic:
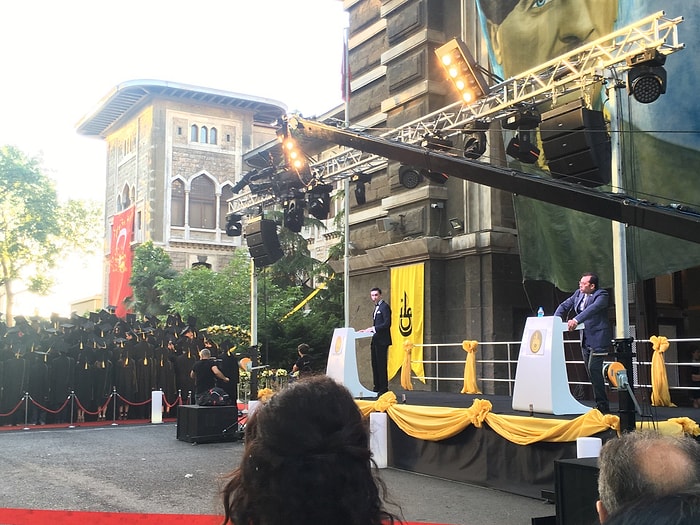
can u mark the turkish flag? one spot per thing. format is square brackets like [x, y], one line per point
[120, 258]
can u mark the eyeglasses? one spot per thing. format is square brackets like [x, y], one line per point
[584, 282]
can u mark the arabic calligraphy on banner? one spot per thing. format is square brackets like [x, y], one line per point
[407, 301]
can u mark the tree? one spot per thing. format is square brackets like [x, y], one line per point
[213, 298]
[151, 264]
[35, 229]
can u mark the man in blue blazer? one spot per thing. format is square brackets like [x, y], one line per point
[589, 305]
[381, 340]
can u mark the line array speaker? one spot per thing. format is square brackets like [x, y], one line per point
[576, 144]
[263, 243]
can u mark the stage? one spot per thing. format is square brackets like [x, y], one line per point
[479, 439]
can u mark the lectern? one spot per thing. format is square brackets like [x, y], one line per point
[541, 380]
[342, 361]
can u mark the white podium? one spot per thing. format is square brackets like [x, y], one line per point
[342, 361]
[541, 380]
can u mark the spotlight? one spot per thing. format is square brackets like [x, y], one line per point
[360, 179]
[320, 201]
[294, 214]
[522, 149]
[409, 176]
[474, 144]
[456, 224]
[234, 227]
[360, 193]
[462, 70]
[646, 78]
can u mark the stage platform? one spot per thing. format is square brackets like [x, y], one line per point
[480, 455]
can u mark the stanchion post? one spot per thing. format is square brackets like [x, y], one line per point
[72, 408]
[114, 406]
[624, 354]
[26, 411]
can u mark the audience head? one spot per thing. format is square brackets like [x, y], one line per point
[644, 464]
[678, 508]
[306, 460]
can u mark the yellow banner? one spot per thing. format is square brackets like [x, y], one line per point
[406, 317]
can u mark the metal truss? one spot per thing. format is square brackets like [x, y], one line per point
[578, 69]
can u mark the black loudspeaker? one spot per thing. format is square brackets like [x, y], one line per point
[576, 144]
[576, 488]
[263, 243]
[200, 424]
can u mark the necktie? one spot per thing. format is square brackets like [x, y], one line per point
[583, 302]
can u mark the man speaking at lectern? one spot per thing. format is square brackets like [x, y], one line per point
[589, 305]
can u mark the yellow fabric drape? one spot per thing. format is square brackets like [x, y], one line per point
[470, 386]
[660, 395]
[406, 366]
[438, 423]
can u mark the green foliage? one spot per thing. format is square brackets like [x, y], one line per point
[151, 264]
[36, 230]
[214, 298]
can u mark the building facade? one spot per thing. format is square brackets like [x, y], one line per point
[174, 153]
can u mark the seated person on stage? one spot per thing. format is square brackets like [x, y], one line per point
[644, 464]
[302, 366]
[205, 372]
[306, 461]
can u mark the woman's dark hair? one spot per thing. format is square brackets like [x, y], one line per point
[497, 11]
[306, 460]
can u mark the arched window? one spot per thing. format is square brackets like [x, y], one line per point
[194, 133]
[212, 136]
[226, 195]
[202, 203]
[203, 136]
[177, 203]
[126, 198]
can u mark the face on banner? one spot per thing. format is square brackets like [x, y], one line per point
[523, 34]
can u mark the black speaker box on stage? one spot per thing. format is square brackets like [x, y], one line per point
[207, 424]
[576, 488]
[263, 243]
[576, 144]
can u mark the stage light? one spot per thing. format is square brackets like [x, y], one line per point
[456, 224]
[360, 179]
[463, 70]
[522, 149]
[646, 78]
[294, 214]
[234, 227]
[409, 177]
[319, 201]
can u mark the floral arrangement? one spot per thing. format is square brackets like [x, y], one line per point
[240, 337]
[265, 394]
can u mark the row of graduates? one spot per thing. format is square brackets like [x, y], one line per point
[95, 358]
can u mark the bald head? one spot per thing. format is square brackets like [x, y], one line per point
[645, 464]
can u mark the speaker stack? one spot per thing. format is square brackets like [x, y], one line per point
[263, 243]
[576, 144]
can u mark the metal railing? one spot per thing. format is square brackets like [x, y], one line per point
[641, 373]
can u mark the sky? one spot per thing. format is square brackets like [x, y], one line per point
[61, 58]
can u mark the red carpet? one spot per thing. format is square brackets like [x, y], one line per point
[69, 517]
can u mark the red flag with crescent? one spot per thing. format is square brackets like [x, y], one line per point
[120, 258]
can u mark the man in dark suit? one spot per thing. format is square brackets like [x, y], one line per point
[589, 304]
[381, 340]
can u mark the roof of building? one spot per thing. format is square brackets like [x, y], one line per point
[124, 97]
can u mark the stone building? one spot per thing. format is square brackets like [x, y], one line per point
[174, 152]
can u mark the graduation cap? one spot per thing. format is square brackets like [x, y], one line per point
[20, 319]
[94, 317]
[131, 319]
